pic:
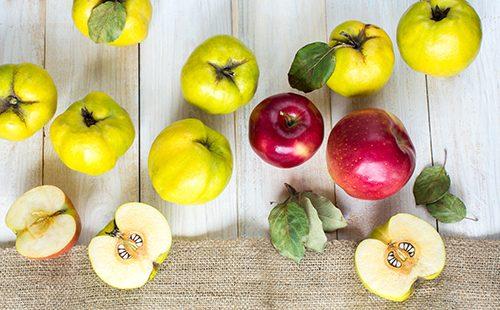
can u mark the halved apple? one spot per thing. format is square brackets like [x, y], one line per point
[45, 222]
[401, 251]
[127, 253]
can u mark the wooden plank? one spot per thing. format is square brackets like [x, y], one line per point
[79, 66]
[22, 28]
[275, 30]
[404, 95]
[465, 119]
[177, 28]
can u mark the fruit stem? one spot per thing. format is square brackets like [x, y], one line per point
[445, 158]
[292, 191]
[438, 13]
[12, 100]
[206, 143]
[226, 71]
[355, 42]
[475, 219]
[88, 117]
[290, 120]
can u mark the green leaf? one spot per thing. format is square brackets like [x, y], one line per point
[449, 209]
[330, 216]
[289, 227]
[316, 239]
[312, 67]
[431, 185]
[107, 21]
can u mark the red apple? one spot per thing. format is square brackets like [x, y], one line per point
[370, 154]
[45, 223]
[286, 130]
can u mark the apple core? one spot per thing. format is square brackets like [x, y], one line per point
[129, 246]
[400, 254]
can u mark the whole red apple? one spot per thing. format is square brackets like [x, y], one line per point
[286, 130]
[370, 154]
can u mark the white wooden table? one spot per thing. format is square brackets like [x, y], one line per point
[460, 114]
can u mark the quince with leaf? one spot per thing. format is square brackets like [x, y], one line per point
[114, 22]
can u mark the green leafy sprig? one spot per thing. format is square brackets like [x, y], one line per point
[300, 223]
[107, 21]
[314, 63]
[431, 189]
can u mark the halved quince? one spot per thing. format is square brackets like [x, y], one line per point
[398, 253]
[45, 222]
[127, 253]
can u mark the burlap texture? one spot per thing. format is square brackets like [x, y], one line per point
[248, 274]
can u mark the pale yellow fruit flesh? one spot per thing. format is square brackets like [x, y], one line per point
[48, 238]
[39, 221]
[134, 272]
[392, 283]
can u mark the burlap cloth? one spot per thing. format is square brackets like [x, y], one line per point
[247, 274]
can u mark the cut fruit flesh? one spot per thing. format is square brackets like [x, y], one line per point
[60, 232]
[45, 222]
[406, 248]
[126, 254]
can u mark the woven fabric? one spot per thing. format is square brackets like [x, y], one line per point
[247, 274]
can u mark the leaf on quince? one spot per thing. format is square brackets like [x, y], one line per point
[431, 185]
[316, 239]
[330, 216]
[312, 67]
[448, 209]
[289, 227]
[107, 21]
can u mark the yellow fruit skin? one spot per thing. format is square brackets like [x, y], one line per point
[364, 71]
[92, 150]
[29, 83]
[199, 80]
[439, 48]
[190, 163]
[139, 13]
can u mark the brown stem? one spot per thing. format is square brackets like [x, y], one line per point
[292, 191]
[475, 219]
[438, 13]
[88, 117]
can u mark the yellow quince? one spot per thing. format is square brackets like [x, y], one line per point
[117, 23]
[92, 134]
[190, 163]
[28, 100]
[364, 61]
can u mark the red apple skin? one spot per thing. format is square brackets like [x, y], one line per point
[370, 155]
[71, 211]
[286, 130]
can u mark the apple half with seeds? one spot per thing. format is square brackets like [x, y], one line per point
[127, 253]
[45, 223]
[398, 253]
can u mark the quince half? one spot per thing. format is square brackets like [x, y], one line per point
[398, 253]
